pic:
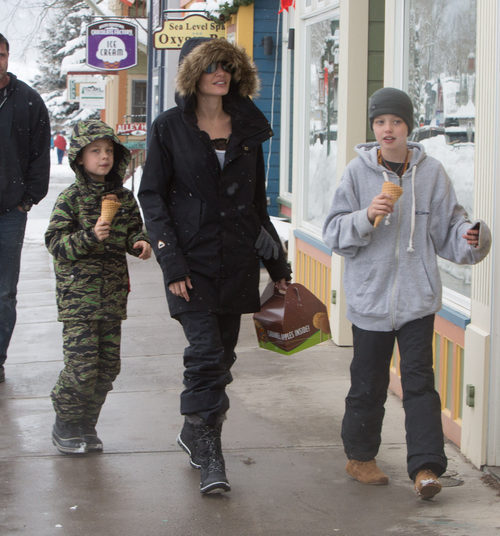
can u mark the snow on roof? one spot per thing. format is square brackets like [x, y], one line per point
[75, 62]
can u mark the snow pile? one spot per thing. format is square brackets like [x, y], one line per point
[321, 181]
[458, 161]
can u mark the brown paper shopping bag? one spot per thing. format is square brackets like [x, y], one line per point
[292, 321]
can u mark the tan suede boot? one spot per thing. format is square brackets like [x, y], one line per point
[366, 472]
[427, 484]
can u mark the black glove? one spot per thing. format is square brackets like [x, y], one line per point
[266, 246]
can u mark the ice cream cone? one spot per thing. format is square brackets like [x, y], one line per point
[394, 191]
[108, 209]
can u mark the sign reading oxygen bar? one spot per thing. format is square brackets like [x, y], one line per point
[175, 32]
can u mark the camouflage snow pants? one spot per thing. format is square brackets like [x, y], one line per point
[91, 364]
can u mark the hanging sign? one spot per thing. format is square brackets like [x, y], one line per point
[111, 45]
[131, 129]
[93, 95]
[74, 81]
[176, 31]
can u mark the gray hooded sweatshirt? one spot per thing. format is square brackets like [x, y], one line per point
[391, 273]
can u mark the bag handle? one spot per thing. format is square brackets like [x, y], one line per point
[290, 288]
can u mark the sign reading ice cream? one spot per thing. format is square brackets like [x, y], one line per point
[111, 45]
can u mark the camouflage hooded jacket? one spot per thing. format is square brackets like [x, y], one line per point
[92, 281]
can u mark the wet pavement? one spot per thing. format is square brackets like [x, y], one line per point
[281, 441]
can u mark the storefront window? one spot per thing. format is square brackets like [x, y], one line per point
[138, 109]
[321, 118]
[441, 82]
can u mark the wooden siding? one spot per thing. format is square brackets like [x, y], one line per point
[266, 20]
[312, 269]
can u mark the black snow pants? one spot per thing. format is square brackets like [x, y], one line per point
[207, 362]
[364, 405]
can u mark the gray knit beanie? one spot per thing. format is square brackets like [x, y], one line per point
[389, 100]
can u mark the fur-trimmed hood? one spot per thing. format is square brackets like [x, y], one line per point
[198, 53]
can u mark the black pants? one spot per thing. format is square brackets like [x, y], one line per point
[207, 362]
[364, 405]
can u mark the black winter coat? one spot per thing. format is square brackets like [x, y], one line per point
[24, 146]
[203, 221]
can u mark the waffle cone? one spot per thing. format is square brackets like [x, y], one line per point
[394, 191]
[108, 209]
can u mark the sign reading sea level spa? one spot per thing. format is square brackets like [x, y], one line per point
[176, 31]
[111, 45]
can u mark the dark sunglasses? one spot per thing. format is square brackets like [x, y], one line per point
[210, 69]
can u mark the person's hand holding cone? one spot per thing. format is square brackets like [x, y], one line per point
[394, 191]
[109, 207]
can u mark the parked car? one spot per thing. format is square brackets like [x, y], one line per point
[454, 135]
[460, 134]
[425, 132]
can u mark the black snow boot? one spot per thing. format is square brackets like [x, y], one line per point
[94, 444]
[67, 437]
[209, 451]
[186, 439]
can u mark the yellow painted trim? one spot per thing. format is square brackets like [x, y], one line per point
[444, 371]
[314, 275]
[456, 383]
[244, 28]
[450, 409]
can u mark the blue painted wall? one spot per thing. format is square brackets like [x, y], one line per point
[266, 20]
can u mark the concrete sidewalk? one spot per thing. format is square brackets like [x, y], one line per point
[281, 441]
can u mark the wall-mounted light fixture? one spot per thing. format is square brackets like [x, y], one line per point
[268, 45]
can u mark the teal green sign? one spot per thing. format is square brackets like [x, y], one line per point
[135, 144]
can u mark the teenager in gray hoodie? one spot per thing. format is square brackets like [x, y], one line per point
[393, 288]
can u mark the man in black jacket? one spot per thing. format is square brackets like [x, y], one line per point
[24, 180]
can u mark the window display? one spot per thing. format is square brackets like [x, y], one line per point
[321, 117]
[441, 80]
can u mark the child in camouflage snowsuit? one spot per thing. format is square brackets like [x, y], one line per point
[92, 281]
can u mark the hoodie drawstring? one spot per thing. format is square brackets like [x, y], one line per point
[410, 248]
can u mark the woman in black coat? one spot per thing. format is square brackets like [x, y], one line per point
[203, 194]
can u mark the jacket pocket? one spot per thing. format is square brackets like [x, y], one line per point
[186, 214]
[368, 287]
[419, 292]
